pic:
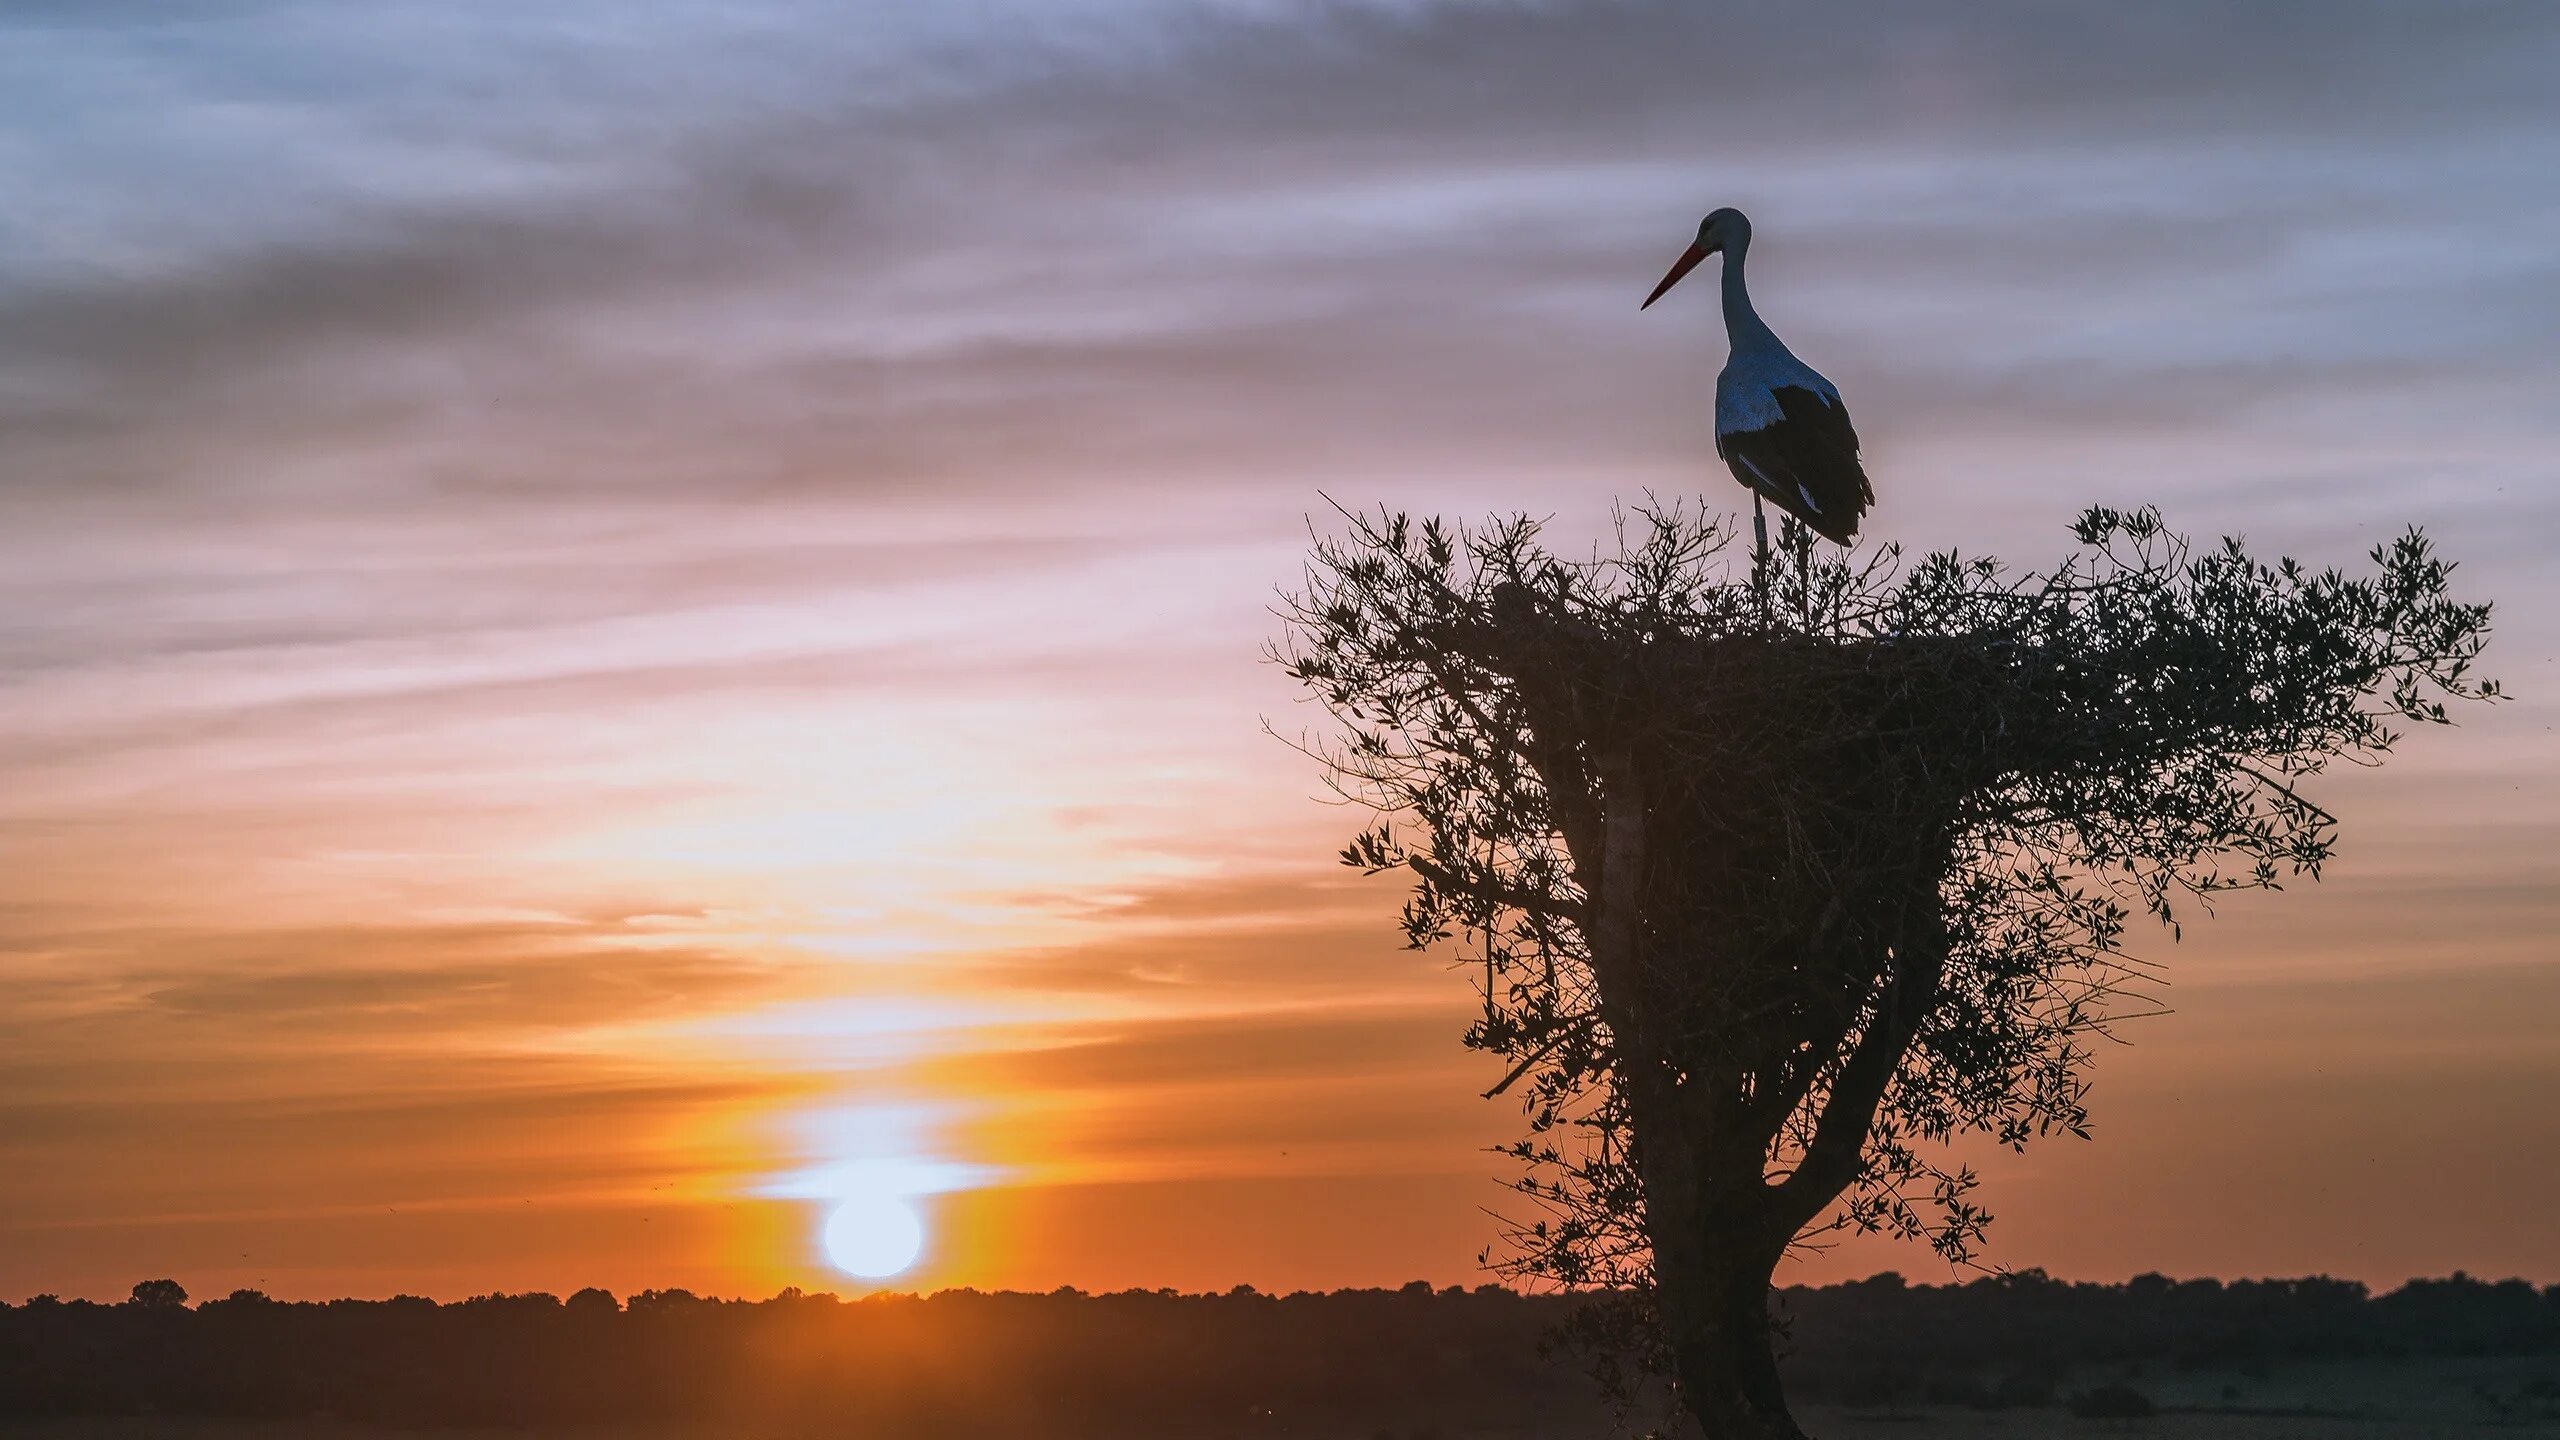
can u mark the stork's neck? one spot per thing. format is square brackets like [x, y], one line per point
[1743, 327]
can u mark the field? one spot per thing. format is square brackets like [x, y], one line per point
[2403, 1400]
[1825, 1424]
[2508, 1398]
[2331, 1401]
[1834, 1425]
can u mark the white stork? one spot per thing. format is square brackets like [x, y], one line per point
[1779, 425]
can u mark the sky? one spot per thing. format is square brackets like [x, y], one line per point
[620, 619]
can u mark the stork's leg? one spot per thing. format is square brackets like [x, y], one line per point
[1804, 572]
[1760, 557]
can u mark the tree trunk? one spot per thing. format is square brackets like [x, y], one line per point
[1722, 1351]
[1714, 1249]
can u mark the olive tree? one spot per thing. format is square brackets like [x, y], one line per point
[1773, 885]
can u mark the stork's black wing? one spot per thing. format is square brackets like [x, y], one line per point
[1805, 463]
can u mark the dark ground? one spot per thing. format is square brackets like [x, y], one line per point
[2010, 1356]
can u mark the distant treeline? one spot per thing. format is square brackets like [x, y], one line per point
[1356, 1362]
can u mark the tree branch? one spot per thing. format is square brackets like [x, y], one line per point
[1493, 891]
[1836, 1154]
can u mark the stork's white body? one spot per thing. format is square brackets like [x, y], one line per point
[1780, 426]
[1747, 388]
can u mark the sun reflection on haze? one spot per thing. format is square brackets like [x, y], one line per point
[870, 1166]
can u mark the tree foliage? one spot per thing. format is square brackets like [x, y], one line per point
[1772, 888]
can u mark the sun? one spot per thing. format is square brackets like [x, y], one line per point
[874, 1236]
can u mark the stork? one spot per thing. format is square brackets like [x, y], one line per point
[1780, 426]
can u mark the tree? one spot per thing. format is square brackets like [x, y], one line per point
[159, 1295]
[1772, 888]
[593, 1301]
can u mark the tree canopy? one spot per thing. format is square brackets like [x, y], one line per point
[1771, 886]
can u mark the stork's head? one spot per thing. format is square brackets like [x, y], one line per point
[1724, 229]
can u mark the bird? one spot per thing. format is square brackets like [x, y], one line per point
[1780, 426]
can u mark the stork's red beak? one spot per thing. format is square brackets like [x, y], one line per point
[1680, 267]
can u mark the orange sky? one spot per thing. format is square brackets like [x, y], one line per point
[608, 624]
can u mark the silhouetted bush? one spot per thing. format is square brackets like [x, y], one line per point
[2113, 1402]
[2022, 1390]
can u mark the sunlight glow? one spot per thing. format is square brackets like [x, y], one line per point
[874, 1236]
[883, 1159]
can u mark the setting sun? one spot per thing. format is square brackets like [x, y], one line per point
[874, 1236]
